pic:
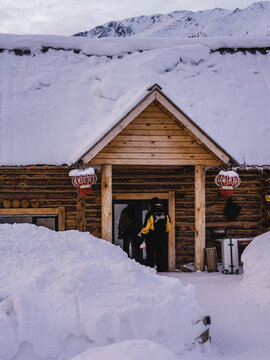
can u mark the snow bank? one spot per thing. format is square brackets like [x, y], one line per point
[65, 292]
[256, 259]
[129, 349]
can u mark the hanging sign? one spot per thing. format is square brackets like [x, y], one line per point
[227, 180]
[84, 179]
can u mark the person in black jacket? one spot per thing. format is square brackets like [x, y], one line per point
[126, 229]
[155, 230]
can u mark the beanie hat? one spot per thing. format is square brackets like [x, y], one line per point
[154, 201]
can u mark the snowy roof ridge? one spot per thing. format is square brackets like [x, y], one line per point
[252, 50]
[118, 46]
[263, 50]
[55, 105]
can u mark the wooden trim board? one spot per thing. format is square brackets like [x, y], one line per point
[142, 196]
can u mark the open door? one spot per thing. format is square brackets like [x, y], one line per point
[139, 211]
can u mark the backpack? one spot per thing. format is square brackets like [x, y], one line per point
[124, 222]
[160, 221]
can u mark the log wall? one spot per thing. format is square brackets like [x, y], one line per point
[250, 195]
[48, 187]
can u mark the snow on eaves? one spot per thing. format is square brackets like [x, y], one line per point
[55, 104]
[118, 46]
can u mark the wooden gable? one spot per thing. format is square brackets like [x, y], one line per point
[156, 132]
[156, 137]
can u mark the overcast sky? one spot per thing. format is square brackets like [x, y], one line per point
[66, 17]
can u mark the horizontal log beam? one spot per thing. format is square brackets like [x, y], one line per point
[155, 143]
[151, 149]
[153, 162]
[154, 132]
[152, 126]
[153, 138]
[152, 155]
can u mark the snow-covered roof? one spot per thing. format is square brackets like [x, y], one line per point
[55, 104]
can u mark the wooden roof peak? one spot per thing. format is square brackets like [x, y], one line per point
[155, 94]
[154, 87]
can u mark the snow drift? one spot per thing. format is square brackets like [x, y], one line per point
[63, 293]
[257, 268]
[129, 349]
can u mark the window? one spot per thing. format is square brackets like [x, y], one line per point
[51, 218]
[50, 222]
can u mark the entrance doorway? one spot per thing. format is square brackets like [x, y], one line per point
[139, 211]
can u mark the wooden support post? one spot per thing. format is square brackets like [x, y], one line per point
[199, 216]
[171, 245]
[106, 202]
[80, 211]
[61, 218]
[262, 226]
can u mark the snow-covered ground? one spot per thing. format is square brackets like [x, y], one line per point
[71, 296]
[239, 305]
[240, 327]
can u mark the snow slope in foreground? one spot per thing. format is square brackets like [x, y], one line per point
[128, 350]
[257, 269]
[63, 293]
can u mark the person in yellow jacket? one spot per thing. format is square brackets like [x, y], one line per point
[155, 229]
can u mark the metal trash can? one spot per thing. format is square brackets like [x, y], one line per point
[211, 259]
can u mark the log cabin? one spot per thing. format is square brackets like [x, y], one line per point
[151, 148]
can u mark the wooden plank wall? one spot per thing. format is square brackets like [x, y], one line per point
[155, 137]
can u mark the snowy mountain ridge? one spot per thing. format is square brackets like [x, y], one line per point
[253, 20]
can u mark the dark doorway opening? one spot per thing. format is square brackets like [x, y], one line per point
[141, 207]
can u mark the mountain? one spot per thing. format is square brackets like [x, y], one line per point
[254, 20]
